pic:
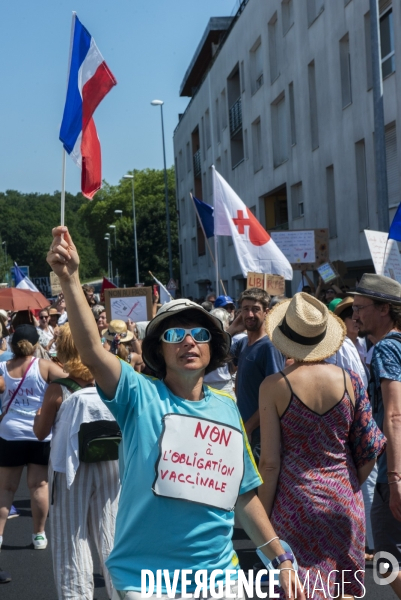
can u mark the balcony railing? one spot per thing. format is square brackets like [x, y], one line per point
[235, 117]
[197, 163]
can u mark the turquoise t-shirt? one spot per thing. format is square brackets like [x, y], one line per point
[158, 532]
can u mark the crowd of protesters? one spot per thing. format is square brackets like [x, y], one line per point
[88, 406]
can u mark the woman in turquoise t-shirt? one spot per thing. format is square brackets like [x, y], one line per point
[187, 462]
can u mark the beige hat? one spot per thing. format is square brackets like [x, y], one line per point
[117, 327]
[53, 311]
[346, 303]
[379, 288]
[303, 328]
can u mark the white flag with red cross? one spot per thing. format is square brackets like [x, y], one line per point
[255, 249]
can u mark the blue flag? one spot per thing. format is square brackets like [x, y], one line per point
[395, 227]
[205, 212]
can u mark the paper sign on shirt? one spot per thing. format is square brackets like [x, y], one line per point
[200, 461]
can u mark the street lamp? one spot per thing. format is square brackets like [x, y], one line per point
[170, 260]
[5, 260]
[115, 234]
[118, 212]
[107, 237]
[134, 221]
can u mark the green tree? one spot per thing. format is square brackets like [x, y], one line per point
[26, 224]
[151, 225]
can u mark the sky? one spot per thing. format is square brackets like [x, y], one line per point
[147, 44]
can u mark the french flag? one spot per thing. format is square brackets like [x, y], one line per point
[89, 80]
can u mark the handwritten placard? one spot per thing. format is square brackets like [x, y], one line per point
[327, 273]
[128, 303]
[200, 461]
[298, 246]
[272, 284]
[388, 264]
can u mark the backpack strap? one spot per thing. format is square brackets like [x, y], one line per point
[69, 383]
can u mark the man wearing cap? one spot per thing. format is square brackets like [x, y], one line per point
[227, 303]
[256, 358]
[377, 311]
[180, 437]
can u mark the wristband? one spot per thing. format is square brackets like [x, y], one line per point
[276, 562]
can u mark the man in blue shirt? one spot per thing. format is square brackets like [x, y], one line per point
[256, 358]
[377, 311]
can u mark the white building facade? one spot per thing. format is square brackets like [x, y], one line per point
[282, 105]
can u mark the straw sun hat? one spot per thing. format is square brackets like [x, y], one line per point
[303, 328]
[117, 327]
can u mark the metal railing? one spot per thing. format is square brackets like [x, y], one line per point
[235, 117]
[197, 163]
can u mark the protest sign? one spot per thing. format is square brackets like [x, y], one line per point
[128, 303]
[43, 285]
[379, 244]
[306, 249]
[327, 272]
[55, 286]
[200, 461]
[255, 280]
[272, 284]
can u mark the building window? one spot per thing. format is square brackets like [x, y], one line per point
[393, 174]
[201, 240]
[257, 145]
[345, 68]
[287, 12]
[279, 130]
[223, 110]
[368, 52]
[297, 201]
[242, 68]
[387, 43]
[314, 125]
[292, 114]
[361, 184]
[183, 218]
[273, 54]
[314, 9]
[331, 201]
[194, 251]
[235, 115]
[246, 153]
[181, 165]
[188, 151]
[256, 66]
[217, 128]
[207, 128]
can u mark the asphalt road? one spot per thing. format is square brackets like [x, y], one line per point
[32, 573]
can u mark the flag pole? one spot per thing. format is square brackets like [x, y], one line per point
[62, 219]
[208, 245]
[216, 252]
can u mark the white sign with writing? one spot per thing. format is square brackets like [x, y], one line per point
[201, 461]
[389, 265]
[131, 307]
[297, 246]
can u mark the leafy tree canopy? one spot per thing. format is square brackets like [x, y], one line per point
[27, 220]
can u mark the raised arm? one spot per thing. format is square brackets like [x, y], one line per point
[270, 436]
[64, 260]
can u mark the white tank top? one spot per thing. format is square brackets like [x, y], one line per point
[17, 425]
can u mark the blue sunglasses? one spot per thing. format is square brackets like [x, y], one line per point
[175, 335]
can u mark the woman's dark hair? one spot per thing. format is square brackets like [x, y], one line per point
[347, 313]
[3, 328]
[151, 344]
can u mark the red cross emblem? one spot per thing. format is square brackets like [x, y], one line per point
[258, 236]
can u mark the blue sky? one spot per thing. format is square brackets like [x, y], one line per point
[148, 45]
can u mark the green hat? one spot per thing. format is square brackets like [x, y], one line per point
[334, 303]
